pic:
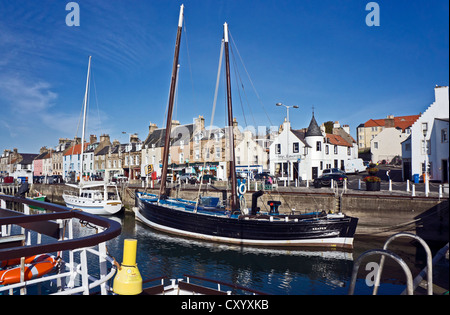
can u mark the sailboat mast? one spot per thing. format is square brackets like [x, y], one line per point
[234, 202]
[84, 118]
[173, 82]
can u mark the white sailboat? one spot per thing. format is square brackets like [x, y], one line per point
[94, 201]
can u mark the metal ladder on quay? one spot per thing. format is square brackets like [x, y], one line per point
[411, 284]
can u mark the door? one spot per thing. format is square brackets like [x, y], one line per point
[444, 168]
[315, 171]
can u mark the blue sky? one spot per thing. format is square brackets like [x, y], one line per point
[305, 53]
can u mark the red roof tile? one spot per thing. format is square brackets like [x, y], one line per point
[401, 122]
[76, 149]
[337, 140]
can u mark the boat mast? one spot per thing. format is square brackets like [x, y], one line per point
[84, 119]
[234, 202]
[173, 82]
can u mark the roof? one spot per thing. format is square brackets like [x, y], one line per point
[337, 140]
[300, 134]
[180, 132]
[313, 129]
[27, 158]
[401, 122]
[76, 149]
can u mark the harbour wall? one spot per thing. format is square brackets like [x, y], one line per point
[379, 215]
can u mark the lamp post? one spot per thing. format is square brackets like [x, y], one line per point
[287, 137]
[425, 145]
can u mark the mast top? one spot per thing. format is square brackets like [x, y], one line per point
[225, 32]
[180, 19]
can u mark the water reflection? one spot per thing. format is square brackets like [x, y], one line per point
[275, 271]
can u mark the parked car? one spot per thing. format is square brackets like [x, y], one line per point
[332, 171]
[206, 179]
[263, 176]
[191, 178]
[325, 180]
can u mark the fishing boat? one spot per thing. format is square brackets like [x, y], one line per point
[95, 201]
[227, 221]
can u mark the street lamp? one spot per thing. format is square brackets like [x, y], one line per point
[287, 138]
[287, 108]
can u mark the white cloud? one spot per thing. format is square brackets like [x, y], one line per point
[27, 98]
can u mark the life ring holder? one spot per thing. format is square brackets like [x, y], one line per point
[35, 266]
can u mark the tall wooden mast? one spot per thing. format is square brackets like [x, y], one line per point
[173, 82]
[234, 201]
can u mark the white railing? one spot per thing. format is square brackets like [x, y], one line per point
[72, 273]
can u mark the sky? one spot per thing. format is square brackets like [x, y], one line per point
[313, 54]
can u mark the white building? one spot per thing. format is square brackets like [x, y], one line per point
[250, 156]
[304, 154]
[388, 144]
[427, 147]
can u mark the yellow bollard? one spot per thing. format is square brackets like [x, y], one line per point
[128, 280]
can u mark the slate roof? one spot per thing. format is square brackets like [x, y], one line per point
[181, 132]
[313, 129]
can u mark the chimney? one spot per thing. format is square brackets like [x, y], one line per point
[152, 127]
[134, 138]
[105, 138]
[389, 122]
[346, 128]
[199, 123]
[175, 123]
[92, 139]
[42, 150]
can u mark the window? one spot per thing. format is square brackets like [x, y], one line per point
[218, 152]
[255, 159]
[349, 151]
[182, 157]
[321, 165]
[424, 128]
[375, 145]
[318, 146]
[444, 136]
[326, 149]
[426, 147]
[335, 149]
[407, 146]
[197, 154]
[278, 148]
[295, 147]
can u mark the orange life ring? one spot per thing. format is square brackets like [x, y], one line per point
[35, 266]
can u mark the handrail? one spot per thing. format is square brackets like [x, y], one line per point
[112, 228]
[429, 261]
[402, 263]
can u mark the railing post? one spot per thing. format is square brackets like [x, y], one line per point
[84, 272]
[409, 284]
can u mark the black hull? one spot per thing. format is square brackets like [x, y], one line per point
[251, 230]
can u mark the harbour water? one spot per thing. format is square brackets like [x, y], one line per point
[274, 271]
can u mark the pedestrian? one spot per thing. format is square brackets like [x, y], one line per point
[388, 174]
